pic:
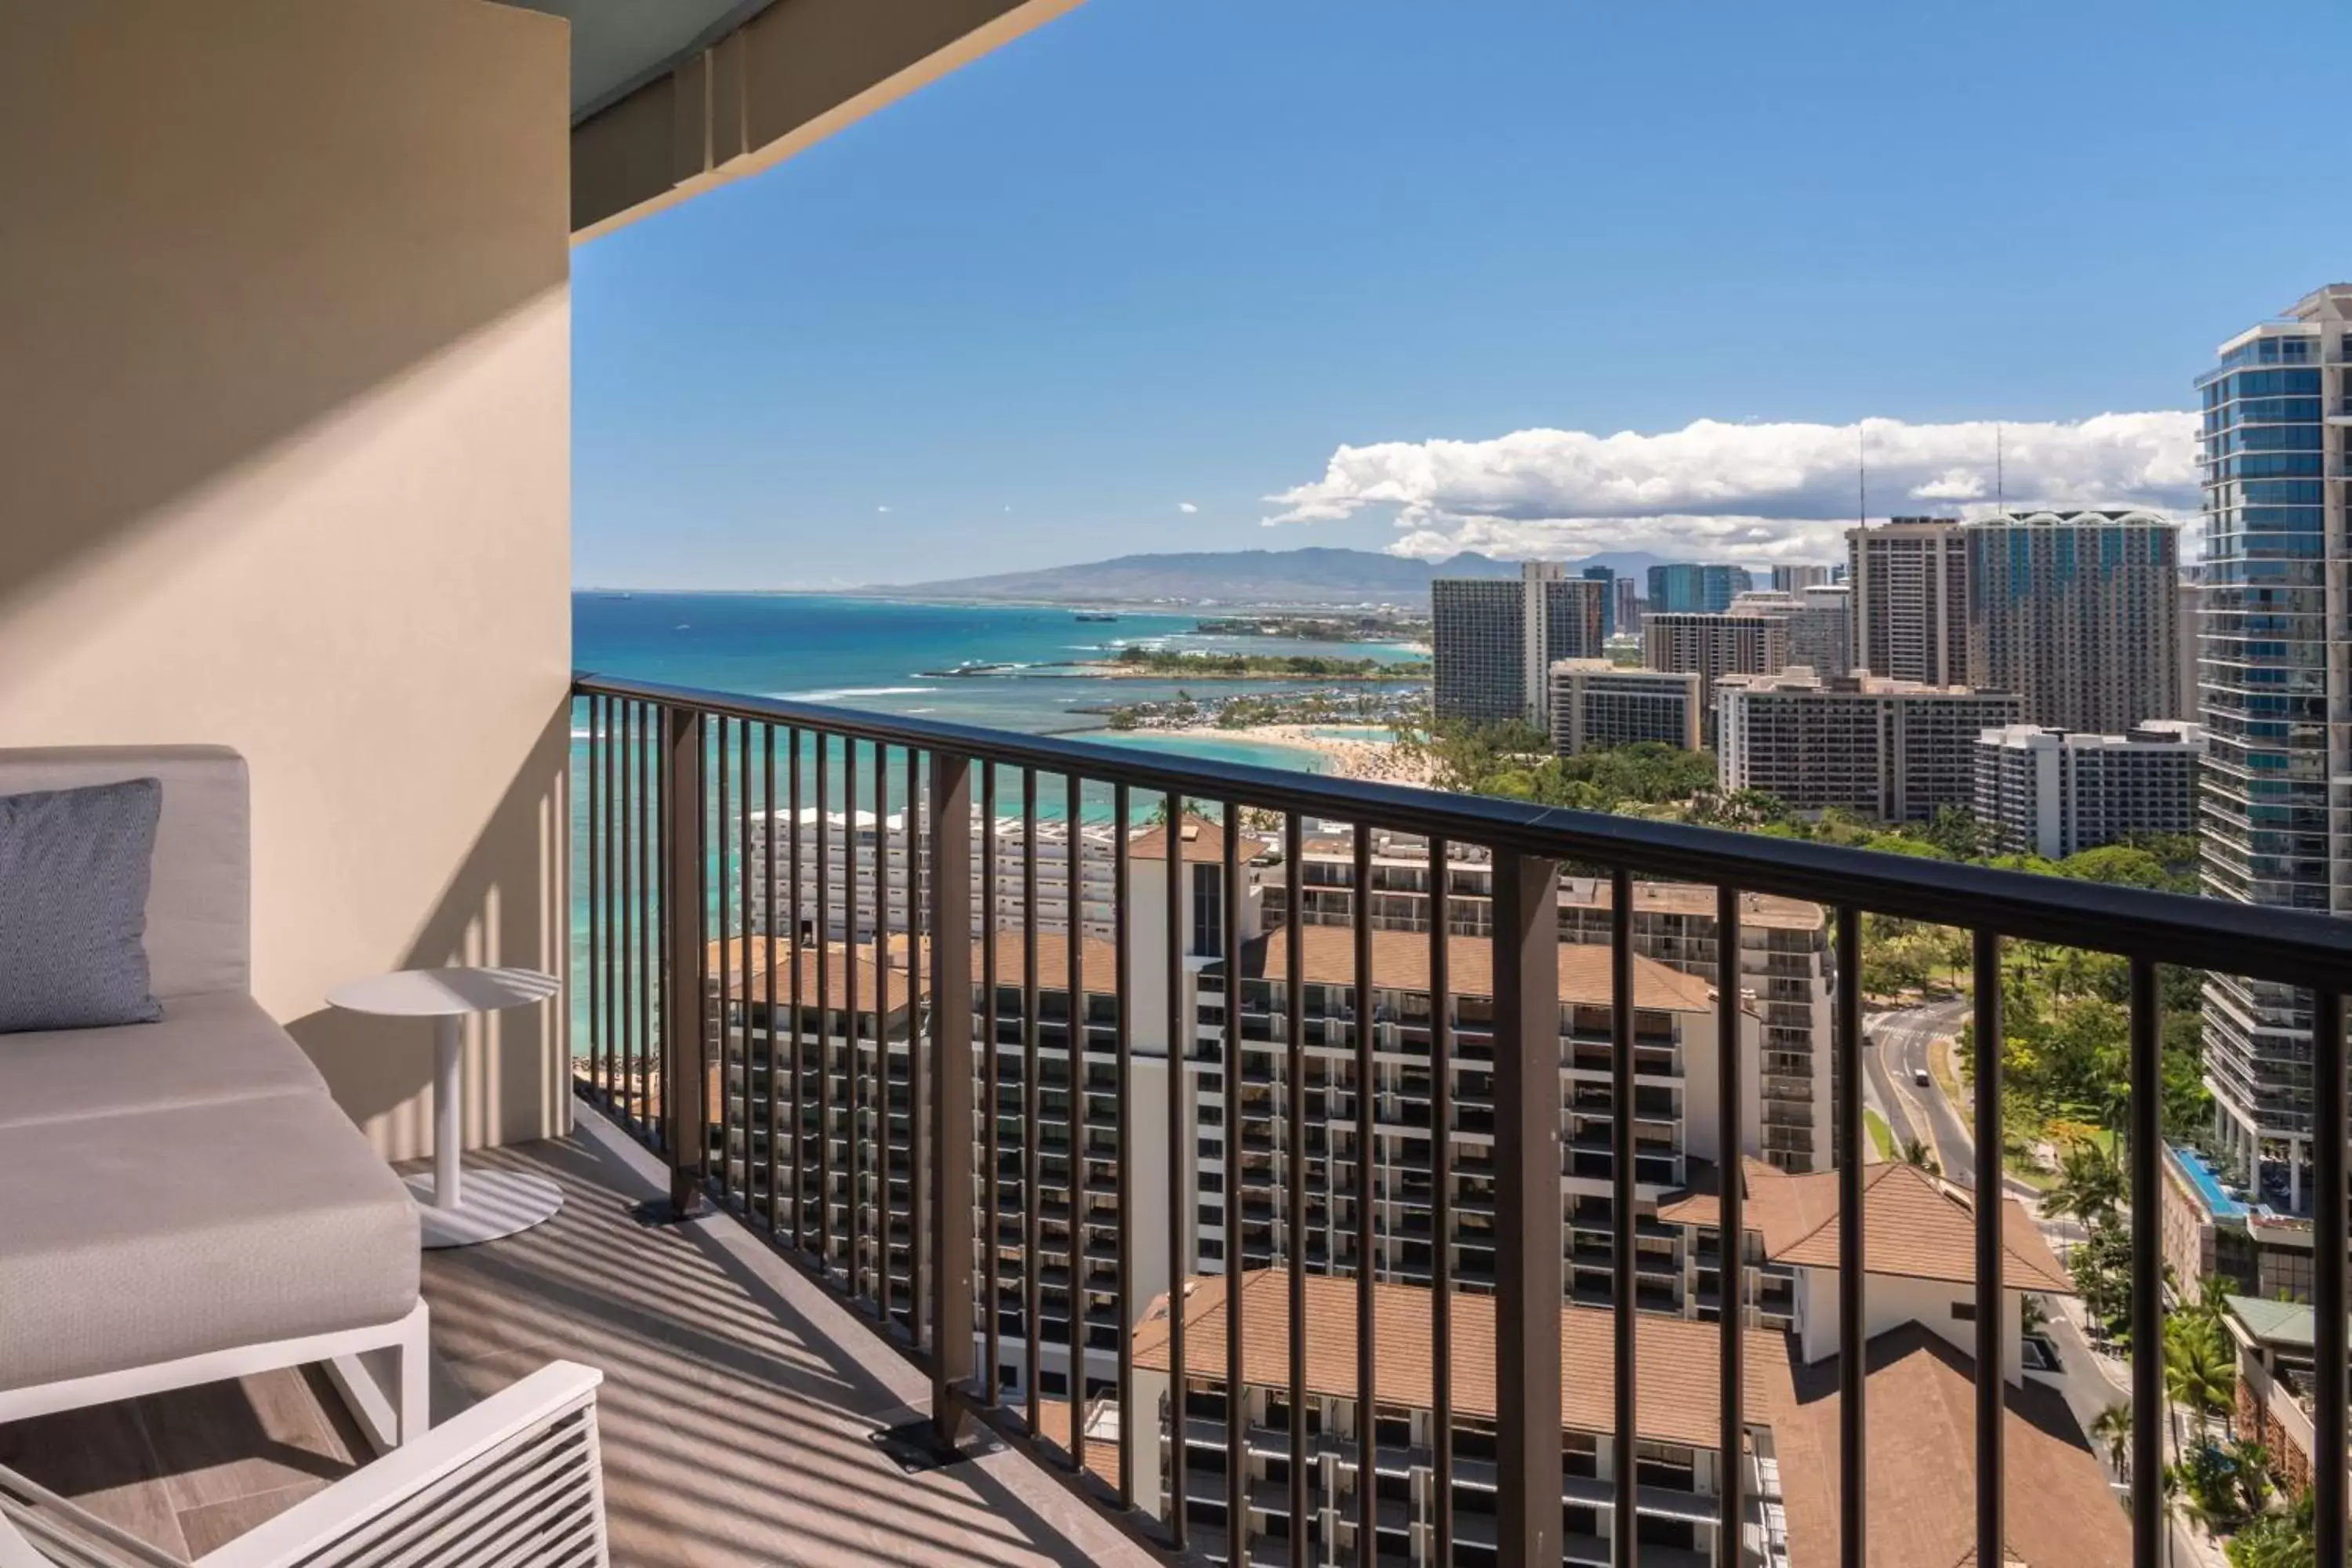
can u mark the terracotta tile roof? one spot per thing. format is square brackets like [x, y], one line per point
[1700, 1202]
[1201, 841]
[729, 960]
[1677, 1363]
[1097, 956]
[1054, 1426]
[1913, 1225]
[1401, 961]
[1921, 1467]
[1098, 961]
[1761, 910]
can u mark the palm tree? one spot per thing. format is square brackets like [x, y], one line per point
[2253, 1466]
[2113, 1430]
[2090, 1185]
[2198, 1369]
[1915, 1153]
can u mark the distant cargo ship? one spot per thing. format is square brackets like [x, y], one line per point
[1096, 615]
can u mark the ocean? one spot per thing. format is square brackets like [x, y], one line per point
[883, 654]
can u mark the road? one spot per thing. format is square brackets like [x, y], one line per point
[1897, 1046]
[1898, 1053]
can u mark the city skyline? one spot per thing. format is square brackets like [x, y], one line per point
[1117, 270]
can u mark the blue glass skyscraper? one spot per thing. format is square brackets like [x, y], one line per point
[1683, 587]
[2274, 674]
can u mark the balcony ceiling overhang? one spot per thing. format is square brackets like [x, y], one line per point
[672, 97]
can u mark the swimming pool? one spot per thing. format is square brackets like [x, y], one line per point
[2208, 1183]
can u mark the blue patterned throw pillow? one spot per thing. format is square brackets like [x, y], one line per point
[74, 867]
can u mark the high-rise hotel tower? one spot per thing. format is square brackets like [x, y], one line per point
[2275, 674]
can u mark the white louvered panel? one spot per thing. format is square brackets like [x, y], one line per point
[61, 1532]
[534, 1501]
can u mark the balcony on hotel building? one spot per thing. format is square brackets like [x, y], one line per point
[871, 1247]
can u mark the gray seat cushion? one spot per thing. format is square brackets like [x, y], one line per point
[207, 1050]
[155, 1234]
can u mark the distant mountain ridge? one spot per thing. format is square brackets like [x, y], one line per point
[1315, 575]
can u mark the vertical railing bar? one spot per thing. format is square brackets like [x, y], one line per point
[686, 1064]
[1625, 1349]
[2146, 1079]
[1033, 1137]
[1991, 1329]
[821, 940]
[948, 924]
[1853, 1372]
[743, 940]
[598, 1035]
[1529, 1270]
[1293, 1208]
[2328, 1284]
[993, 1280]
[641, 904]
[775, 1067]
[1440, 1148]
[798, 998]
[659, 966]
[1367, 1364]
[922, 937]
[728, 966]
[1731, 1231]
[1182, 1181]
[1236, 1391]
[1075, 975]
[622, 1094]
[853, 884]
[1122, 1046]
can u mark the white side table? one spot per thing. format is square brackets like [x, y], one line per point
[458, 1208]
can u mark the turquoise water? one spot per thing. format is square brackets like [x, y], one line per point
[1212, 747]
[2208, 1183]
[1353, 732]
[886, 657]
[889, 657]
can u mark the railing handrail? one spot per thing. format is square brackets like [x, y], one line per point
[2292, 947]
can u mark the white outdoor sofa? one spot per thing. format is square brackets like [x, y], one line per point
[181, 1202]
[514, 1482]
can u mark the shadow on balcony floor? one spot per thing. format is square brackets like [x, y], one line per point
[737, 1409]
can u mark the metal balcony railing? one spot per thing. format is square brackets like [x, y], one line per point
[666, 793]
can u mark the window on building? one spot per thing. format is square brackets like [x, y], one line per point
[1208, 910]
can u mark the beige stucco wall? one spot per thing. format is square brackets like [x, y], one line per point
[284, 426]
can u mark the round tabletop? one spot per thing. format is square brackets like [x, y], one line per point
[441, 993]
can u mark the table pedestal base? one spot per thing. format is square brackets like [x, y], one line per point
[492, 1203]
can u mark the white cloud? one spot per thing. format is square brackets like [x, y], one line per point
[881, 508]
[1750, 491]
[1187, 508]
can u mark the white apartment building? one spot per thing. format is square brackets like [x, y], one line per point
[1788, 970]
[876, 849]
[1787, 965]
[1596, 704]
[1819, 618]
[1246, 1154]
[1714, 646]
[2052, 793]
[1891, 750]
[1910, 583]
[2079, 614]
[1495, 639]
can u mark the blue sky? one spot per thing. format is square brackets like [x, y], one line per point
[1163, 253]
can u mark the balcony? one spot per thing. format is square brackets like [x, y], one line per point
[297, 481]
